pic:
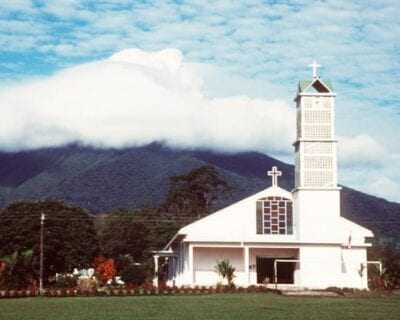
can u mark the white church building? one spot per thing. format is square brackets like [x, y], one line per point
[293, 238]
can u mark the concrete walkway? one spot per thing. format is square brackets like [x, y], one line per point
[309, 293]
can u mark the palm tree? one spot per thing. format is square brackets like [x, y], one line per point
[16, 270]
[225, 269]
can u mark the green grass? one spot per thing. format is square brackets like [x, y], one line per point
[219, 306]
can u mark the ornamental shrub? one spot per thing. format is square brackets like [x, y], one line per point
[88, 285]
[104, 268]
[66, 280]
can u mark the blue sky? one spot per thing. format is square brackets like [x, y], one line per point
[253, 49]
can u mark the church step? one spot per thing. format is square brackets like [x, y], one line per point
[309, 293]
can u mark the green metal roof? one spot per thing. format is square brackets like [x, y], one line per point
[303, 84]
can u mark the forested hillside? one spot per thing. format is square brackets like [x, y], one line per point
[102, 180]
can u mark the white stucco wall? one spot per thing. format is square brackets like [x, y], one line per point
[320, 234]
[320, 266]
[352, 258]
[205, 259]
[235, 223]
[318, 215]
[336, 266]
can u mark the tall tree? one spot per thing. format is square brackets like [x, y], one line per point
[70, 239]
[129, 237]
[194, 193]
[136, 233]
[123, 232]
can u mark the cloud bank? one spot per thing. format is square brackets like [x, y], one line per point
[361, 150]
[136, 97]
[263, 47]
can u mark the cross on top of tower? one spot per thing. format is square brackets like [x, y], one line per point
[274, 173]
[314, 66]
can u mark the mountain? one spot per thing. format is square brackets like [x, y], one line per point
[102, 180]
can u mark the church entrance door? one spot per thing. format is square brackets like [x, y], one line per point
[265, 269]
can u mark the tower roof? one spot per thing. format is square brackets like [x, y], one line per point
[316, 84]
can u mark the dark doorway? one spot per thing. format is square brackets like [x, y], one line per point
[265, 269]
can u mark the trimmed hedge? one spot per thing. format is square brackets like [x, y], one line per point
[123, 291]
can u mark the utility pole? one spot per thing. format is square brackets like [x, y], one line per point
[42, 217]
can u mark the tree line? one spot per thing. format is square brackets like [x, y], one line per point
[121, 242]
[73, 238]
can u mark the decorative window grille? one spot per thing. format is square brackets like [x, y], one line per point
[317, 116]
[326, 102]
[318, 147]
[322, 131]
[322, 162]
[318, 178]
[307, 103]
[317, 102]
[274, 216]
[315, 155]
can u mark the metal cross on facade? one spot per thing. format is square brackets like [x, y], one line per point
[314, 66]
[274, 173]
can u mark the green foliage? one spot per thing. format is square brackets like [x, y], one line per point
[129, 271]
[131, 236]
[190, 196]
[66, 280]
[70, 239]
[390, 258]
[17, 271]
[225, 270]
[102, 180]
[135, 274]
[193, 193]
[123, 232]
[161, 228]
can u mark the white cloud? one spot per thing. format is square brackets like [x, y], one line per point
[384, 187]
[264, 49]
[382, 181]
[65, 9]
[364, 164]
[136, 97]
[360, 151]
[7, 6]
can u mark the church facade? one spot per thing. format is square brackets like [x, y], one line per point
[292, 238]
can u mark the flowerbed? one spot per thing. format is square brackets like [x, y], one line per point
[126, 291]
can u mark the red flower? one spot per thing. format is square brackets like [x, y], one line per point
[104, 268]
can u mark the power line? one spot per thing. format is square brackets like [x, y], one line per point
[128, 220]
[143, 219]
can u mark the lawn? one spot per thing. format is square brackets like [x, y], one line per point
[218, 306]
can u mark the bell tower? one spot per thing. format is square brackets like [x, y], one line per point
[315, 145]
[316, 194]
